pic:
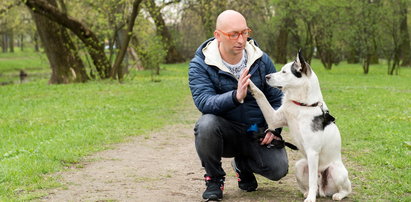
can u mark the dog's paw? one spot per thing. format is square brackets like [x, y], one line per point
[256, 92]
[305, 194]
[309, 200]
[338, 197]
[253, 88]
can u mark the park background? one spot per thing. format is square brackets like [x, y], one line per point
[124, 68]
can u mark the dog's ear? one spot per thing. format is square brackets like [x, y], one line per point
[302, 66]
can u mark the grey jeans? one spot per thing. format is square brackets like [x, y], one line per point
[216, 137]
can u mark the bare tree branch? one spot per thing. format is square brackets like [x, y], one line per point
[169, 3]
[121, 54]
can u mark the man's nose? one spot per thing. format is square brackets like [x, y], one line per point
[241, 38]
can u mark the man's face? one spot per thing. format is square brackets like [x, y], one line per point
[232, 47]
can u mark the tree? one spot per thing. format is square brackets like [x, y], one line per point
[284, 20]
[116, 67]
[405, 36]
[394, 35]
[326, 20]
[87, 36]
[93, 44]
[173, 56]
[64, 61]
[207, 11]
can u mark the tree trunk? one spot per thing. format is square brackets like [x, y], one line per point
[308, 48]
[396, 61]
[94, 47]
[121, 37]
[4, 44]
[36, 42]
[21, 42]
[405, 38]
[281, 46]
[173, 56]
[352, 57]
[325, 55]
[366, 64]
[123, 49]
[11, 41]
[65, 64]
[322, 42]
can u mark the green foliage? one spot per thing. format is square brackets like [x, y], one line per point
[152, 52]
[150, 48]
[358, 31]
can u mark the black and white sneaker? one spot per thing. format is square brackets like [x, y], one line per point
[246, 180]
[215, 187]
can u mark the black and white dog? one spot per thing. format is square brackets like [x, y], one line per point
[321, 171]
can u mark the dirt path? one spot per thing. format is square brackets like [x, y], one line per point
[162, 166]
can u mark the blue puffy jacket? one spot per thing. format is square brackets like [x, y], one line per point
[213, 86]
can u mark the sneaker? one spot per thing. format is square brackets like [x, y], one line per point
[246, 180]
[215, 187]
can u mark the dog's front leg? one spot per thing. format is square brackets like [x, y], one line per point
[273, 118]
[312, 159]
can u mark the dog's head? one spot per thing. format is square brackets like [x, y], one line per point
[293, 74]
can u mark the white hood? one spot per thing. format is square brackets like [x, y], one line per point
[213, 57]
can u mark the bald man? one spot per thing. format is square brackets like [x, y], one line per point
[231, 118]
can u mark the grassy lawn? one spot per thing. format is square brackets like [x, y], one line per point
[373, 113]
[45, 128]
[35, 63]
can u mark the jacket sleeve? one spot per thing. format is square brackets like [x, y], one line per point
[274, 95]
[204, 94]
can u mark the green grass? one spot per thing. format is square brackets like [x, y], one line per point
[373, 113]
[35, 63]
[44, 128]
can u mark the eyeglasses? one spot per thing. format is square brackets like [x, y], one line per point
[236, 35]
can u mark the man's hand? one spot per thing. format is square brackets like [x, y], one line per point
[268, 138]
[243, 82]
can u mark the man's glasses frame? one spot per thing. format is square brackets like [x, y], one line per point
[236, 35]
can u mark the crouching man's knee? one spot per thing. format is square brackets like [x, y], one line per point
[207, 125]
[275, 170]
[278, 173]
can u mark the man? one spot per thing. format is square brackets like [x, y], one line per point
[218, 79]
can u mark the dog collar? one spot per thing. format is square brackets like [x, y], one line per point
[305, 105]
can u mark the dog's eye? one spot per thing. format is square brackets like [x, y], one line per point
[283, 72]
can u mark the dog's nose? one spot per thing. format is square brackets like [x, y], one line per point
[267, 77]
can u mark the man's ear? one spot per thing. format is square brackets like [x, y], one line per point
[217, 36]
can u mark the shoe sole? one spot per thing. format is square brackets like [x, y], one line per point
[213, 198]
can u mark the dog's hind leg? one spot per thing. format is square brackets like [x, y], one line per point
[326, 184]
[339, 175]
[301, 173]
